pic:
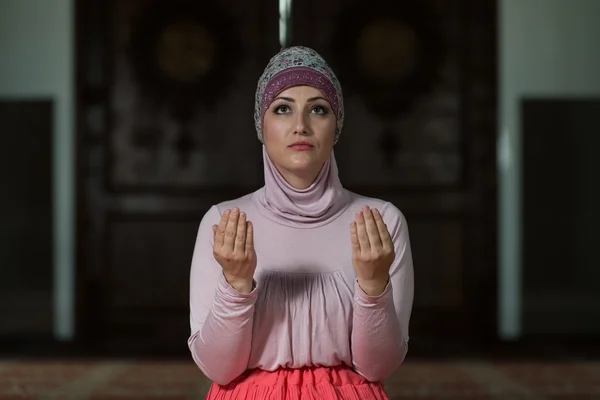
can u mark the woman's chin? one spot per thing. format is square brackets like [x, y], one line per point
[304, 163]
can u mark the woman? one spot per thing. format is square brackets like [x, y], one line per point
[302, 289]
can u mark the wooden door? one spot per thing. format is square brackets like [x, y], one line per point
[163, 88]
[419, 87]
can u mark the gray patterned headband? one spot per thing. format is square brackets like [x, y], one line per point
[292, 67]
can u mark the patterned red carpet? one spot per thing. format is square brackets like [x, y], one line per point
[182, 381]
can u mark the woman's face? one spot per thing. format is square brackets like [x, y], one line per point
[298, 133]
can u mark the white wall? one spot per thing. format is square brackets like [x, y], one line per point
[36, 60]
[548, 48]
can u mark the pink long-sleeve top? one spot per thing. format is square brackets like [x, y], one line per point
[307, 308]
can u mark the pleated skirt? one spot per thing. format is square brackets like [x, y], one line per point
[309, 383]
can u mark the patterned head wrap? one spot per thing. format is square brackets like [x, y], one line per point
[295, 66]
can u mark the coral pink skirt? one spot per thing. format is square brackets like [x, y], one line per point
[314, 383]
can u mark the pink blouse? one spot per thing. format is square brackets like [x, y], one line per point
[307, 308]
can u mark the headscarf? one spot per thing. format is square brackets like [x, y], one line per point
[325, 198]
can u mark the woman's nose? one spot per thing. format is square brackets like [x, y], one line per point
[302, 123]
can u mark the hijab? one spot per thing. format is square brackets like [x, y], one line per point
[325, 198]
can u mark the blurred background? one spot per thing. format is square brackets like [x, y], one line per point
[123, 121]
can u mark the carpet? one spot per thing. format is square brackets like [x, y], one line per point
[181, 380]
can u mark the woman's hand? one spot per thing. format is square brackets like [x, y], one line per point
[234, 249]
[372, 251]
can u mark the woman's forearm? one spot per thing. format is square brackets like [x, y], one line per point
[221, 348]
[378, 347]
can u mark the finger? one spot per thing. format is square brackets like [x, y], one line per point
[384, 233]
[220, 234]
[240, 237]
[372, 230]
[231, 229]
[249, 237]
[354, 238]
[363, 237]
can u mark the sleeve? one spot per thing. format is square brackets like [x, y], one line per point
[221, 318]
[380, 323]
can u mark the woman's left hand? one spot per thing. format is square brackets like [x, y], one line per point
[372, 251]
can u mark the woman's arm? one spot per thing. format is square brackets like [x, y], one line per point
[220, 317]
[380, 323]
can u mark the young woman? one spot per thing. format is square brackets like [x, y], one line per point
[302, 289]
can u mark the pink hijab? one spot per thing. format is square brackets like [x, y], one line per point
[325, 198]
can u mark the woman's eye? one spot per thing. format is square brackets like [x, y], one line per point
[319, 110]
[282, 109]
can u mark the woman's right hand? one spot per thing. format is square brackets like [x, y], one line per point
[234, 249]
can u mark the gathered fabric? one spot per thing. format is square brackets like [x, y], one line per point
[307, 383]
[322, 202]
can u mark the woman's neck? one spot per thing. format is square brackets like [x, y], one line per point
[298, 181]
